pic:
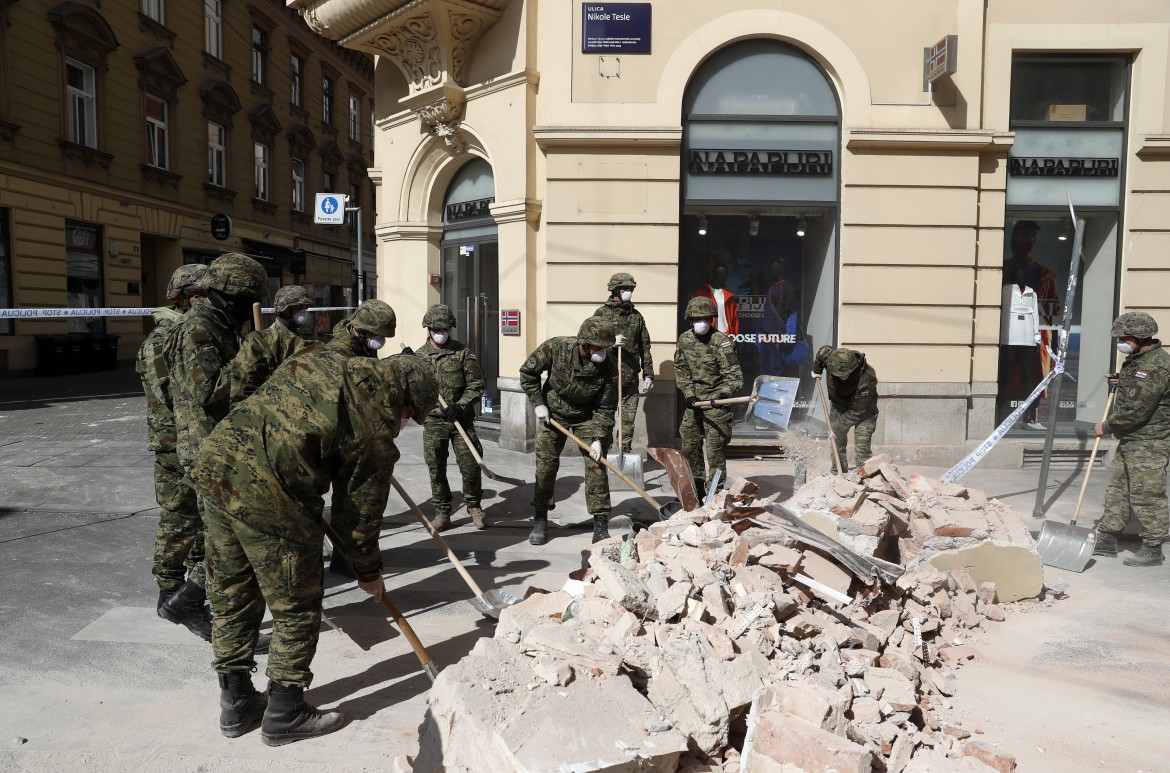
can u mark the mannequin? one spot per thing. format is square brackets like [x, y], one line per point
[1019, 337]
[726, 308]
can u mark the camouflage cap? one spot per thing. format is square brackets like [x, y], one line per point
[418, 379]
[621, 279]
[596, 331]
[1137, 324]
[842, 362]
[374, 316]
[236, 274]
[186, 280]
[291, 295]
[700, 307]
[439, 317]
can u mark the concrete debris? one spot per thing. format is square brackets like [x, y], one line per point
[674, 636]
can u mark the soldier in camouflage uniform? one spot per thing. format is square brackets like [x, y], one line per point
[195, 353]
[1141, 421]
[853, 398]
[634, 339]
[323, 420]
[706, 368]
[178, 544]
[263, 350]
[580, 393]
[365, 331]
[460, 381]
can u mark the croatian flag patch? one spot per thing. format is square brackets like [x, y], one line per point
[1140, 373]
[726, 343]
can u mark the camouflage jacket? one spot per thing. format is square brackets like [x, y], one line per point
[260, 353]
[160, 415]
[457, 372]
[195, 352]
[323, 419]
[628, 321]
[577, 390]
[1141, 408]
[855, 397]
[706, 369]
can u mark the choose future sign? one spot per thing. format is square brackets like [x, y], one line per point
[615, 28]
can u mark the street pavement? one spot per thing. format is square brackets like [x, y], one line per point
[92, 679]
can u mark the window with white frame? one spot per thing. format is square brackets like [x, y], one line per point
[296, 67]
[327, 100]
[155, 9]
[355, 119]
[82, 87]
[213, 27]
[259, 55]
[157, 139]
[261, 157]
[216, 155]
[298, 185]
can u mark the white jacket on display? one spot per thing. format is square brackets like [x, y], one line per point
[1019, 317]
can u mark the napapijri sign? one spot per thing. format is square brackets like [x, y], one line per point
[762, 162]
[1042, 166]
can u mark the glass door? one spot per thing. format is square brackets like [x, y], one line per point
[471, 288]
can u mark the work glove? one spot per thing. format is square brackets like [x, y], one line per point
[407, 350]
[542, 413]
[816, 375]
[453, 412]
[619, 340]
[691, 403]
[595, 454]
[373, 587]
[647, 383]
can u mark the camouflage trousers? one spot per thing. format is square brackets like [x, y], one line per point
[178, 543]
[862, 436]
[1138, 484]
[549, 444]
[711, 427]
[437, 434]
[249, 568]
[629, 409]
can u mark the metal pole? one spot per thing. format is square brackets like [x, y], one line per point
[361, 279]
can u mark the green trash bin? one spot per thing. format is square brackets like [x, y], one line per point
[51, 355]
[74, 346]
[109, 351]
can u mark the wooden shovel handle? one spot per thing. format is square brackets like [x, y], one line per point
[585, 447]
[724, 401]
[435, 535]
[463, 434]
[1092, 458]
[257, 320]
[832, 440]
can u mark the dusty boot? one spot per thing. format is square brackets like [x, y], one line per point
[1147, 555]
[187, 606]
[478, 519]
[339, 564]
[441, 521]
[539, 534]
[600, 527]
[1106, 544]
[288, 718]
[240, 706]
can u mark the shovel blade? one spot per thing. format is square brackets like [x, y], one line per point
[631, 466]
[1065, 546]
[493, 602]
[774, 398]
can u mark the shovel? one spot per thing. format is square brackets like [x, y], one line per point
[479, 459]
[490, 603]
[664, 511]
[630, 465]
[829, 423]
[1068, 546]
[424, 659]
[770, 403]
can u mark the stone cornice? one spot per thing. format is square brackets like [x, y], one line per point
[392, 232]
[962, 141]
[582, 136]
[1154, 146]
[516, 210]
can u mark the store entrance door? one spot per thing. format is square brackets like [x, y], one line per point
[471, 288]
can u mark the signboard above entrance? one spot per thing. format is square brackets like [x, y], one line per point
[1039, 166]
[773, 162]
[942, 59]
[615, 28]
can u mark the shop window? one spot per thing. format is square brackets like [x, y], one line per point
[259, 56]
[216, 155]
[83, 275]
[81, 83]
[1083, 89]
[6, 326]
[260, 156]
[298, 185]
[296, 68]
[157, 132]
[155, 9]
[213, 27]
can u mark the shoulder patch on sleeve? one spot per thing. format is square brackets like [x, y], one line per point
[471, 355]
[726, 343]
[1141, 373]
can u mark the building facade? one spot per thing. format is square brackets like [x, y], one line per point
[830, 173]
[138, 135]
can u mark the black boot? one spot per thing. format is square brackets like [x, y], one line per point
[1106, 544]
[163, 595]
[1147, 555]
[539, 534]
[339, 565]
[288, 718]
[240, 706]
[600, 527]
[187, 606]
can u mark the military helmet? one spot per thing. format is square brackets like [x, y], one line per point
[700, 307]
[291, 295]
[621, 279]
[418, 379]
[374, 316]
[1137, 324]
[596, 331]
[235, 274]
[842, 362]
[439, 317]
[185, 280]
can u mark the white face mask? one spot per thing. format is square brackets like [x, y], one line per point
[1125, 347]
[439, 336]
[375, 343]
[627, 295]
[702, 327]
[301, 317]
[598, 356]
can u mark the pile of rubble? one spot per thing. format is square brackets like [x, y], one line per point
[736, 638]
